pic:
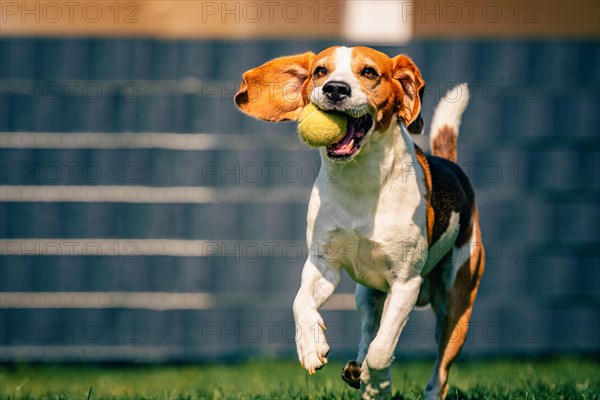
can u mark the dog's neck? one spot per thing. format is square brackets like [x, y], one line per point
[386, 155]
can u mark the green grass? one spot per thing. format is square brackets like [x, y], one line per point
[566, 378]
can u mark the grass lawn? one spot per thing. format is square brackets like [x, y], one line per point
[563, 378]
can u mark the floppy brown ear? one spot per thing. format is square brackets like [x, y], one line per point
[408, 103]
[273, 91]
[417, 127]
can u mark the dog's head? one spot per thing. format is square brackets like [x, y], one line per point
[373, 89]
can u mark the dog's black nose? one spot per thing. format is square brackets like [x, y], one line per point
[337, 90]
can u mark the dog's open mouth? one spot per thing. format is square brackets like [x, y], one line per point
[350, 144]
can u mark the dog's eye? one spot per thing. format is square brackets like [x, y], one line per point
[320, 72]
[369, 73]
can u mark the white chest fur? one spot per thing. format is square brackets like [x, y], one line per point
[368, 216]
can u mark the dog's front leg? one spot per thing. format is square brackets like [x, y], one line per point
[376, 378]
[318, 283]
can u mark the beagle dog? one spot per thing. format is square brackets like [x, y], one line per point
[402, 223]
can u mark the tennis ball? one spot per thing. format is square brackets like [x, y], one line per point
[321, 128]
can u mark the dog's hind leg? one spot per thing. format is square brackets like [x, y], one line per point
[369, 303]
[452, 302]
[375, 374]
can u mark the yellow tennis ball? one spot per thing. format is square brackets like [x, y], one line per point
[321, 128]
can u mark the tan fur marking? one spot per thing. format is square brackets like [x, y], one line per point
[381, 90]
[444, 144]
[460, 299]
[325, 59]
[422, 159]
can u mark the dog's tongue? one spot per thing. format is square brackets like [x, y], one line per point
[346, 145]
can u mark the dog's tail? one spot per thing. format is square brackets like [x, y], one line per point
[446, 121]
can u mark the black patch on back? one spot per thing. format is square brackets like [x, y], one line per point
[451, 191]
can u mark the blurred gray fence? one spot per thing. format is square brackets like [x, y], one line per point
[144, 218]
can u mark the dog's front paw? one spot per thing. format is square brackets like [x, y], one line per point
[311, 344]
[375, 384]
